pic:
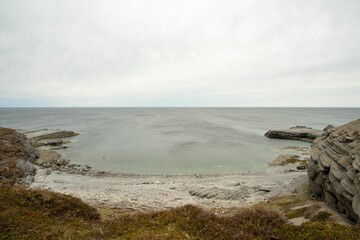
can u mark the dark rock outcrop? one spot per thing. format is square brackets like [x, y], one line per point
[328, 127]
[17, 156]
[52, 139]
[334, 168]
[301, 133]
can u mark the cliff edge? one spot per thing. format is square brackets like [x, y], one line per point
[334, 168]
[16, 157]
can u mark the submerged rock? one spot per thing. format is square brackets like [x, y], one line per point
[301, 133]
[285, 159]
[334, 168]
[55, 135]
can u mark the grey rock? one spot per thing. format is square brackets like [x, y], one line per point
[312, 170]
[301, 166]
[48, 157]
[29, 179]
[328, 127]
[356, 204]
[55, 135]
[284, 159]
[334, 168]
[27, 167]
[301, 133]
[220, 193]
[337, 171]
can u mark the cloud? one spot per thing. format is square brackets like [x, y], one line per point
[179, 53]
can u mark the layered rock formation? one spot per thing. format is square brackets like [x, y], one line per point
[302, 133]
[16, 157]
[334, 168]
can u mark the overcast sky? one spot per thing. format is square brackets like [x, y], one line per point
[180, 53]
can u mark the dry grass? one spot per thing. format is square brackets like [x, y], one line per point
[34, 214]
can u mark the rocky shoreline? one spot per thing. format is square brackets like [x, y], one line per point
[139, 192]
[47, 142]
[41, 166]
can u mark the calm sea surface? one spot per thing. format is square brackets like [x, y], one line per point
[174, 140]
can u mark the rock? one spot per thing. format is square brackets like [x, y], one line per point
[285, 159]
[220, 193]
[47, 158]
[39, 143]
[334, 168]
[29, 179]
[27, 167]
[264, 190]
[301, 166]
[17, 157]
[55, 135]
[328, 127]
[54, 139]
[301, 133]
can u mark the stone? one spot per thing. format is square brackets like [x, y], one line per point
[349, 186]
[48, 157]
[27, 167]
[284, 159]
[301, 166]
[55, 135]
[356, 204]
[312, 170]
[17, 157]
[328, 127]
[219, 193]
[334, 168]
[301, 133]
[337, 171]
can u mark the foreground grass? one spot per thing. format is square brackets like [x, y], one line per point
[34, 214]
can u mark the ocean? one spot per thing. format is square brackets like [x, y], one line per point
[174, 140]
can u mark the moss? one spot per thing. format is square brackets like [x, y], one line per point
[318, 231]
[286, 203]
[321, 216]
[295, 160]
[295, 213]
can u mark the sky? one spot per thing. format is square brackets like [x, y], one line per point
[167, 53]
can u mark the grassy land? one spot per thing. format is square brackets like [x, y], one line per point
[34, 214]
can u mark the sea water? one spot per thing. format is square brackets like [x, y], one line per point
[174, 140]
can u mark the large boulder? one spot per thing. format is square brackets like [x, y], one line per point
[301, 133]
[334, 168]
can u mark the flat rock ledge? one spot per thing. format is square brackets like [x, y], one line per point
[301, 133]
[46, 143]
[22, 153]
[334, 169]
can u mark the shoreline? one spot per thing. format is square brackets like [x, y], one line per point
[159, 192]
[124, 193]
[151, 192]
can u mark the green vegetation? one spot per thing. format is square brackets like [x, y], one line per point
[295, 160]
[35, 214]
[321, 216]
